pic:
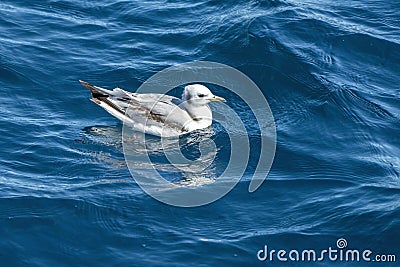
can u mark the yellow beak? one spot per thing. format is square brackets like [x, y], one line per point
[218, 98]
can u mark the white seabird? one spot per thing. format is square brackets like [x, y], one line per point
[157, 114]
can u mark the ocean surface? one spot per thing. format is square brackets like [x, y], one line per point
[329, 70]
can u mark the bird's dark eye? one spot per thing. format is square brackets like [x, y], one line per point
[201, 95]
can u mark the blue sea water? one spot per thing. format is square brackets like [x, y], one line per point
[329, 70]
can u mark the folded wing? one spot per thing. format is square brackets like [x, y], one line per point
[155, 114]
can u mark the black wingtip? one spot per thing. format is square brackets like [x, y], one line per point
[87, 85]
[92, 88]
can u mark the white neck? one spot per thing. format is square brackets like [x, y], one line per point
[201, 115]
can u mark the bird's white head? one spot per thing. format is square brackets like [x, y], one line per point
[199, 95]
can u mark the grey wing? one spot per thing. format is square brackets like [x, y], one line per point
[154, 108]
[150, 113]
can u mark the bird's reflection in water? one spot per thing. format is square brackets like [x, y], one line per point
[103, 145]
[182, 161]
[106, 135]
